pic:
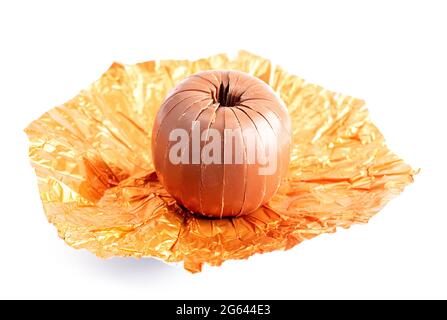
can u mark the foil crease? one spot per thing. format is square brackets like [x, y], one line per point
[92, 157]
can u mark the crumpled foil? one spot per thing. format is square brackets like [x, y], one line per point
[92, 157]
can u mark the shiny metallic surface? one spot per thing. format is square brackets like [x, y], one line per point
[92, 157]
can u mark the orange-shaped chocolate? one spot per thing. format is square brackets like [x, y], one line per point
[221, 143]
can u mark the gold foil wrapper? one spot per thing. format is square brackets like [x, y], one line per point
[92, 157]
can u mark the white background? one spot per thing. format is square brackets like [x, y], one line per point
[392, 54]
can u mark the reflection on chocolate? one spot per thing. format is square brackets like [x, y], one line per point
[221, 143]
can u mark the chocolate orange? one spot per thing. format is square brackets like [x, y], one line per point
[221, 143]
